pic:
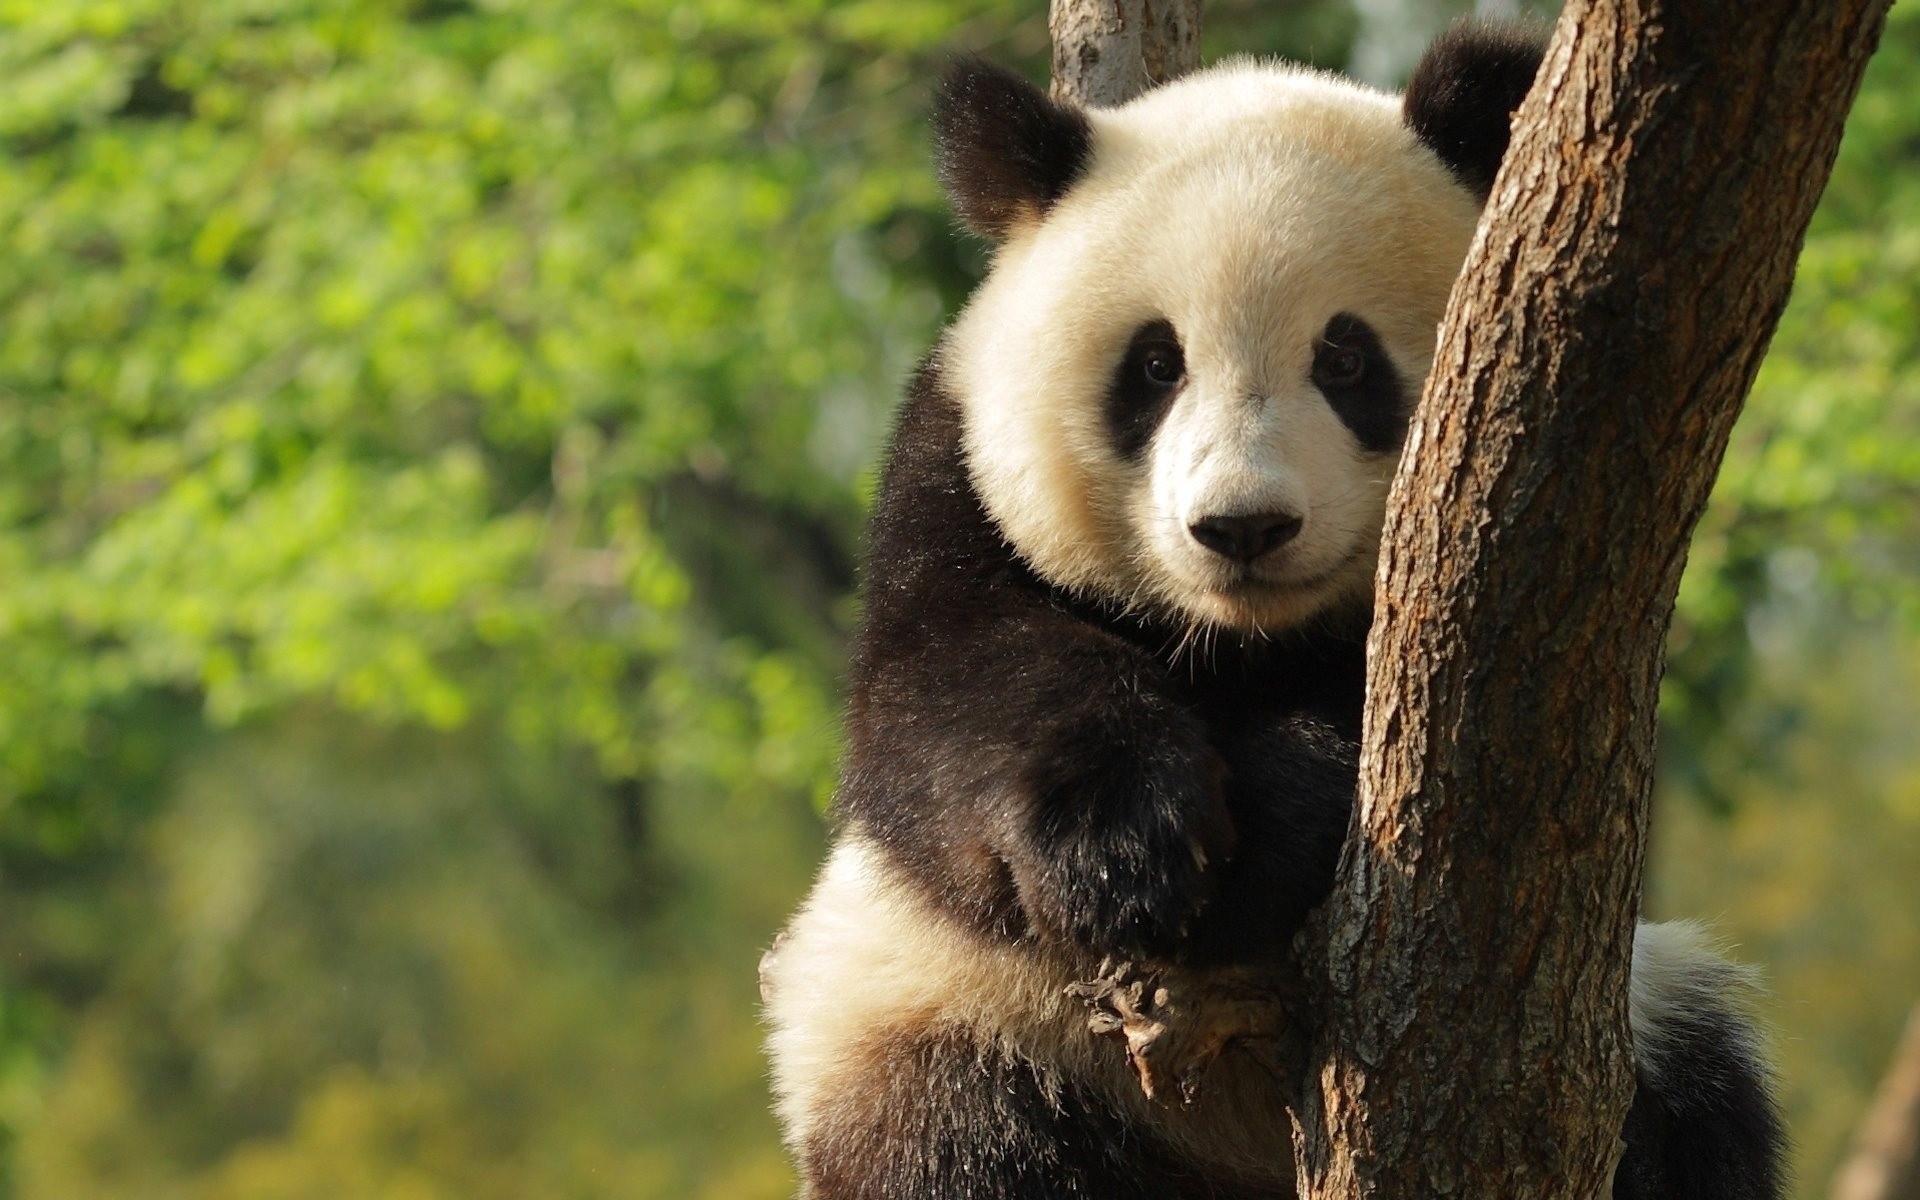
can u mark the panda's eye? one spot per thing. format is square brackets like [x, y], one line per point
[1339, 362]
[1353, 371]
[1163, 365]
[1146, 384]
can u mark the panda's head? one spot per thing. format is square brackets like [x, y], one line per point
[1187, 377]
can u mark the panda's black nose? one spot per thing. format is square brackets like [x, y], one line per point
[1246, 537]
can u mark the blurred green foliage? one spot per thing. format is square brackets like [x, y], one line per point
[433, 443]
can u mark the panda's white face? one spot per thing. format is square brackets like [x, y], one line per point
[1186, 385]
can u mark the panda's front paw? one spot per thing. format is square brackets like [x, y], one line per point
[1128, 850]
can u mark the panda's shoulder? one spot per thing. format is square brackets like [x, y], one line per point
[926, 515]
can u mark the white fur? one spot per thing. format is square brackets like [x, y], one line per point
[1680, 977]
[1247, 204]
[866, 956]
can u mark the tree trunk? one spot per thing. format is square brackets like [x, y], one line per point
[1635, 256]
[1106, 52]
[1885, 1164]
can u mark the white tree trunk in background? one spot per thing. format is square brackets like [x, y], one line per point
[1392, 34]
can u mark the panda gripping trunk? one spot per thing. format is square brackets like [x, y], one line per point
[1106, 704]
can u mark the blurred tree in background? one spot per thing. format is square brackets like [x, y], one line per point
[433, 444]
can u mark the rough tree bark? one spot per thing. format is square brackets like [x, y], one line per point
[1105, 52]
[1471, 1038]
[1885, 1163]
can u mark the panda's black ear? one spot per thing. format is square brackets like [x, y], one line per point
[1005, 151]
[1463, 92]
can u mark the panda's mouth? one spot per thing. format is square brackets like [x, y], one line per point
[1252, 601]
[1249, 580]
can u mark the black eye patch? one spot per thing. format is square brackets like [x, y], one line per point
[1150, 374]
[1352, 370]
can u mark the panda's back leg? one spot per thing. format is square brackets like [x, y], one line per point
[940, 1117]
[1704, 1125]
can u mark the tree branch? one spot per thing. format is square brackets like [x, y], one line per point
[1635, 256]
[1885, 1163]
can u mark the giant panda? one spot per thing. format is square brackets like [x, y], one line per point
[1105, 699]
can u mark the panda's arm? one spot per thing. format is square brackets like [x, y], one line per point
[1057, 788]
[1036, 772]
[1292, 772]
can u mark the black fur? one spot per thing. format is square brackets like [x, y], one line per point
[1042, 768]
[1005, 151]
[1375, 406]
[1707, 1128]
[1463, 93]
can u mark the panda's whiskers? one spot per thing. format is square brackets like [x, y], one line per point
[1180, 648]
